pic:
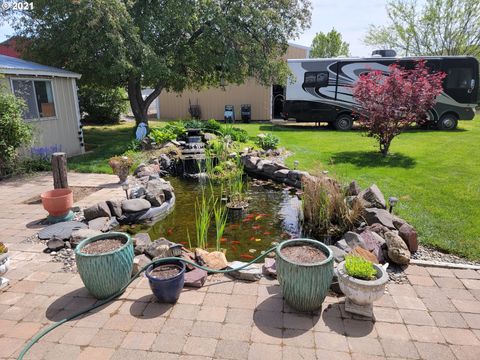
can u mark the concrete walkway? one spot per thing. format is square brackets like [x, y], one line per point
[436, 316]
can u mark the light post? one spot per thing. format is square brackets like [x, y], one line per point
[392, 202]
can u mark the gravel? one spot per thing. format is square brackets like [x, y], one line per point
[429, 254]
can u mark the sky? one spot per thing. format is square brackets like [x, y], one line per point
[350, 17]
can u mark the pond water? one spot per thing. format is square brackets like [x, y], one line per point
[272, 216]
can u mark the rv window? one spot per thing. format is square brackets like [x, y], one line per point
[459, 77]
[322, 79]
[310, 78]
[317, 79]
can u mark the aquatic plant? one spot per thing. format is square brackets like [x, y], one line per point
[220, 216]
[237, 187]
[203, 213]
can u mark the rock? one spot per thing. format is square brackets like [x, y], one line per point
[195, 278]
[335, 286]
[135, 205]
[409, 235]
[374, 243]
[398, 222]
[100, 224]
[154, 161]
[342, 244]
[252, 272]
[137, 192]
[338, 254]
[270, 168]
[367, 255]
[250, 162]
[140, 242]
[379, 229]
[161, 248]
[353, 189]
[372, 197]
[159, 185]
[165, 162]
[296, 174]
[281, 174]
[55, 244]
[381, 216]
[262, 163]
[155, 198]
[132, 218]
[61, 230]
[115, 207]
[209, 136]
[139, 262]
[270, 267]
[215, 260]
[98, 210]
[397, 249]
[82, 234]
[353, 240]
[139, 168]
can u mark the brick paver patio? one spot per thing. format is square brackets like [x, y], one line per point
[436, 316]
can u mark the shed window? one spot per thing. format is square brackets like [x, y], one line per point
[38, 96]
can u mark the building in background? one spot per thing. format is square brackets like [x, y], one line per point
[265, 101]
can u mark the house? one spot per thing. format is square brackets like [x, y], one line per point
[51, 101]
[266, 102]
[9, 48]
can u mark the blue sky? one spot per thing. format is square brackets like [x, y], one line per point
[350, 17]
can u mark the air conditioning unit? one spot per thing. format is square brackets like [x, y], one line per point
[384, 53]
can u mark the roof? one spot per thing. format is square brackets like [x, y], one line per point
[8, 47]
[376, 58]
[14, 66]
[299, 46]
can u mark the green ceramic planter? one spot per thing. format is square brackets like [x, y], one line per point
[304, 286]
[105, 274]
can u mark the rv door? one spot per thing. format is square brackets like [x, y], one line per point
[461, 82]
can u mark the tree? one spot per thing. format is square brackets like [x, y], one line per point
[166, 45]
[328, 45]
[389, 103]
[439, 27]
[100, 105]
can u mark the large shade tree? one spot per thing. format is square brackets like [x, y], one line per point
[432, 27]
[166, 45]
[330, 44]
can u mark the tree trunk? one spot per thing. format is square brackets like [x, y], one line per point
[59, 170]
[384, 146]
[137, 103]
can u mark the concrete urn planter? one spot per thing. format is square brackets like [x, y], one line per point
[360, 294]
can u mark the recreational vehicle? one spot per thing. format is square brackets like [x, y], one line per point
[321, 90]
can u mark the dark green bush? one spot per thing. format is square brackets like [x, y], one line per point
[176, 127]
[14, 131]
[212, 125]
[193, 124]
[100, 105]
[161, 135]
[267, 141]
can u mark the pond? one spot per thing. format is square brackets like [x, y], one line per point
[272, 216]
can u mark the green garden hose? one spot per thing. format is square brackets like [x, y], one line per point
[49, 328]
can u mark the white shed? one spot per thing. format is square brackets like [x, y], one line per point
[52, 103]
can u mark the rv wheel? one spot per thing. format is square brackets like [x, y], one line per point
[343, 122]
[447, 122]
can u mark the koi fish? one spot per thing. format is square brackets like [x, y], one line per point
[256, 227]
[233, 248]
[252, 238]
[183, 242]
[223, 240]
[170, 231]
[267, 233]
[247, 256]
[258, 239]
[258, 217]
[235, 242]
[234, 226]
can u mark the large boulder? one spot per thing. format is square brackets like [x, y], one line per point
[281, 174]
[353, 189]
[115, 207]
[262, 163]
[397, 250]
[157, 186]
[342, 244]
[380, 216]
[140, 242]
[252, 272]
[353, 240]
[139, 262]
[195, 278]
[82, 234]
[338, 254]
[132, 217]
[365, 254]
[250, 162]
[374, 243]
[100, 224]
[135, 205]
[98, 210]
[372, 197]
[55, 244]
[409, 235]
[215, 260]
[165, 162]
[296, 174]
[162, 248]
[139, 168]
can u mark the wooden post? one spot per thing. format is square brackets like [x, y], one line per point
[59, 168]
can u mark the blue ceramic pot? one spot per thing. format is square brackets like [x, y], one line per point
[167, 290]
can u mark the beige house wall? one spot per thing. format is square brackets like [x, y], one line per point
[212, 101]
[64, 127]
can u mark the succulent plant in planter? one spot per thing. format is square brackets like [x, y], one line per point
[362, 282]
[121, 166]
[4, 264]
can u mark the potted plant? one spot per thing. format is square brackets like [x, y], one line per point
[362, 282]
[105, 263]
[121, 166]
[4, 264]
[166, 280]
[305, 272]
[237, 199]
[58, 203]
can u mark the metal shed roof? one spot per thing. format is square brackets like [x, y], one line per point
[14, 66]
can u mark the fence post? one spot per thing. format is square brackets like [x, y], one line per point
[59, 168]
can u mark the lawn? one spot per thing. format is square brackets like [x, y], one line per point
[436, 175]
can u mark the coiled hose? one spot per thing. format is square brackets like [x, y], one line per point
[49, 328]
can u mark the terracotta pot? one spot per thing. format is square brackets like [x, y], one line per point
[57, 202]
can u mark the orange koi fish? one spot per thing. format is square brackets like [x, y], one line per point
[236, 242]
[256, 227]
[252, 238]
[170, 231]
[234, 226]
[267, 233]
[234, 248]
[247, 256]
[223, 240]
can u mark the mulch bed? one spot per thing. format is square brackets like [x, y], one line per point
[79, 192]
[165, 271]
[102, 246]
[303, 254]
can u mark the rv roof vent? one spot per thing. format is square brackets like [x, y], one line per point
[384, 53]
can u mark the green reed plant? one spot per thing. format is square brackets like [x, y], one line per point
[203, 213]
[220, 216]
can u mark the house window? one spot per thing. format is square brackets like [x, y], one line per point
[38, 97]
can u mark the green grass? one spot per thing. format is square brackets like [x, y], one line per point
[436, 175]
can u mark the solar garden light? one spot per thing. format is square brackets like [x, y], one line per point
[125, 186]
[392, 201]
[295, 164]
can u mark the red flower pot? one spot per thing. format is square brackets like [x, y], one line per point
[57, 202]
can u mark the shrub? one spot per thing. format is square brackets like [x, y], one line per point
[212, 125]
[14, 131]
[101, 105]
[193, 124]
[176, 127]
[236, 134]
[390, 103]
[267, 141]
[161, 135]
[359, 268]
